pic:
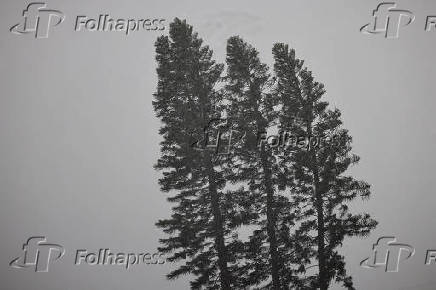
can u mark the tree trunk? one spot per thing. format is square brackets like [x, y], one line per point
[323, 282]
[219, 230]
[271, 222]
[319, 204]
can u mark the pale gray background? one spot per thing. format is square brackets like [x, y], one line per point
[78, 136]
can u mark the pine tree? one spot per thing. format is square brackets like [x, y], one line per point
[201, 227]
[296, 197]
[318, 181]
[271, 252]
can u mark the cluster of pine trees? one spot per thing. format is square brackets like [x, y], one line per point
[258, 217]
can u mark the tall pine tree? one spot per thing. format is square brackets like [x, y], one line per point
[273, 253]
[319, 182]
[295, 197]
[201, 227]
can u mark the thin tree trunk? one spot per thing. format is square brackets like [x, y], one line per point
[319, 204]
[219, 230]
[323, 282]
[271, 222]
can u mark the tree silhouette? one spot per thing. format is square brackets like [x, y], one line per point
[221, 174]
[271, 250]
[318, 181]
[186, 102]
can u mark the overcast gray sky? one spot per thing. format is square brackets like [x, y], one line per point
[78, 136]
